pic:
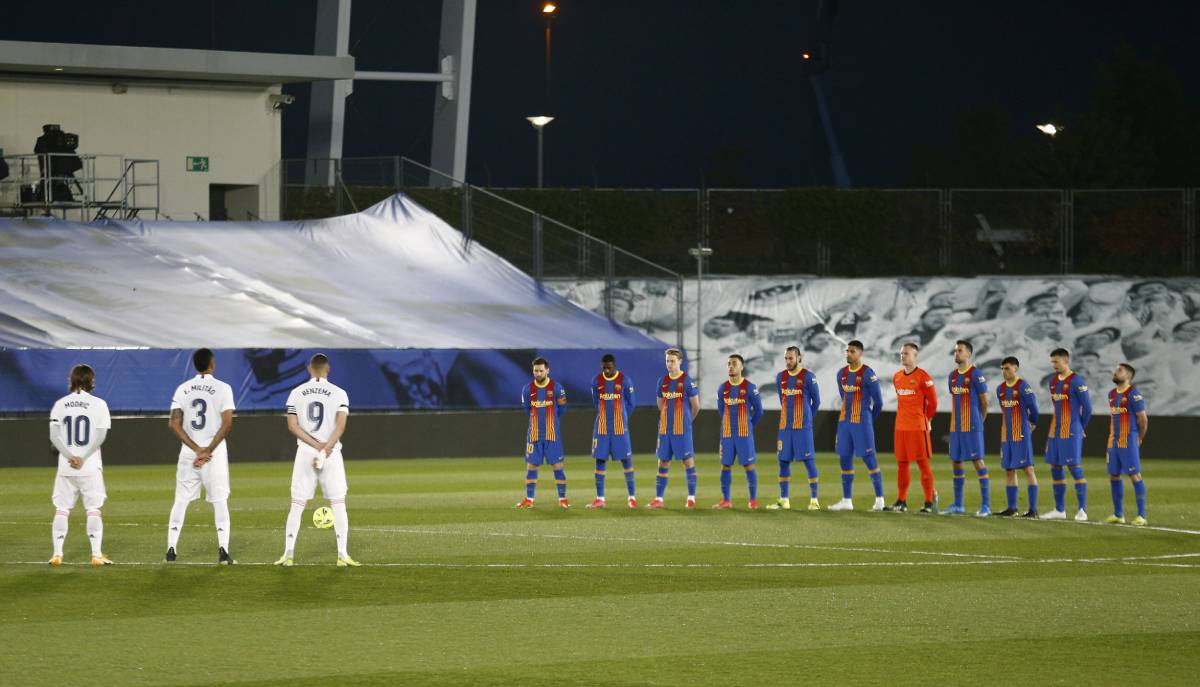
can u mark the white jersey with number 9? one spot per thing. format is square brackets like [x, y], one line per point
[316, 404]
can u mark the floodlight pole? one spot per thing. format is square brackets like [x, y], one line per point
[699, 252]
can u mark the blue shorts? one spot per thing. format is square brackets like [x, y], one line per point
[1064, 451]
[855, 439]
[548, 452]
[740, 447]
[966, 446]
[795, 444]
[616, 446]
[1124, 461]
[1015, 455]
[674, 446]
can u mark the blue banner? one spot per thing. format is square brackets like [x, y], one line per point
[142, 380]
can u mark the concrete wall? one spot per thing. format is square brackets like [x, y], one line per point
[233, 126]
[420, 435]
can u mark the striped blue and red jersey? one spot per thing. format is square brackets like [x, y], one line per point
[676, 415]
[1122, 407]
[613, 401]
[545, 404]
[966, 414]
[1072, 407]
[740, 408]
[1018, 410]
[799, 399]
[856, 387]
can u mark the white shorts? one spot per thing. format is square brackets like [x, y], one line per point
[214, 476]
[331, 476]
[68, 488]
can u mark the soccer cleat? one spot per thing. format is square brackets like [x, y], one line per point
[879, 506]
[633, 502]
[563, 503]
[929, 507]
[844, 504]
[223, 557]
[1031, 513]
[1055, 515]
[598, 503]
[55, 560]
[814, 504]
[1081, 515]
[953, 509]
[1139, 521]
[983, 512]
[1115, 520]
[101, 560]
[285, 560]
[723, 504]
[781, 504]
[656, 503]
[753, 504]
[524, 503]
[348, 562]
[170, 557]
[900, 506]
[691, 502]
[1006, 513]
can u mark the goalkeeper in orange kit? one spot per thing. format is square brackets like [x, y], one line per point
[916, 402]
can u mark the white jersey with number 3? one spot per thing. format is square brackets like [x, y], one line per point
[316, 404]
[202, 399]
[76, 417]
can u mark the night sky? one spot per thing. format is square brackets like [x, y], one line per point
[661, 94]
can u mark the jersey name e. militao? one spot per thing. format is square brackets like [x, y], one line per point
[77, 416]
[676, 416]
[740, 407]
[1123, 406]
[853, 384]
[799, 399]
[545, 404]
[1072, 407]
[965, 388]
[1018, 411]
[202, 399]
[613, 400]
[316, 404]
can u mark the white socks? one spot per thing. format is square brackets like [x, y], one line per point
[175, 525]
[58, 530]
[95, 530]
[341, 525]
[295, 515]
[221, 520]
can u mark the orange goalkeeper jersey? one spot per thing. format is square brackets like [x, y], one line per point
[916, 400]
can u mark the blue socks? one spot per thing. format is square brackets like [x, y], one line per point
[1118, 495]
[600, 465]
[660, 482]
[1080, 486]
[985, 487]
[530, 483]
[1139, 493]
[847, 475]
[876, 475]
[1060, 487]
[1032, 490]
[960, 479]
[726, 482]
[560, 480]
[785, 479]
[627, 465]
[691, 481]
[752, 482]
[811, 466]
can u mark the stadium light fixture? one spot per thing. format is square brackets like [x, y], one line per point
[549, 8]
[806, 56]
[1050, 129]
[539, 122]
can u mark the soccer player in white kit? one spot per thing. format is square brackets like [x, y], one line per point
[316, 415]
[202, 416]
[79, 423]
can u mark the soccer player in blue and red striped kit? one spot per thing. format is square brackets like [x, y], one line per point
[1125, 439]
[678, 404]
[968, 408]
[862, 402]
[612, 396]
[1018, 417]
[545, 401]
[741, 409]
[799, 400]
[1064, 448]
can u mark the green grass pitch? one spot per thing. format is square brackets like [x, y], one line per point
[459, 588]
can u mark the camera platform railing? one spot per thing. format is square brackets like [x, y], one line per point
[80, 187]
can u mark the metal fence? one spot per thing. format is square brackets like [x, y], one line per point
[548, 249]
